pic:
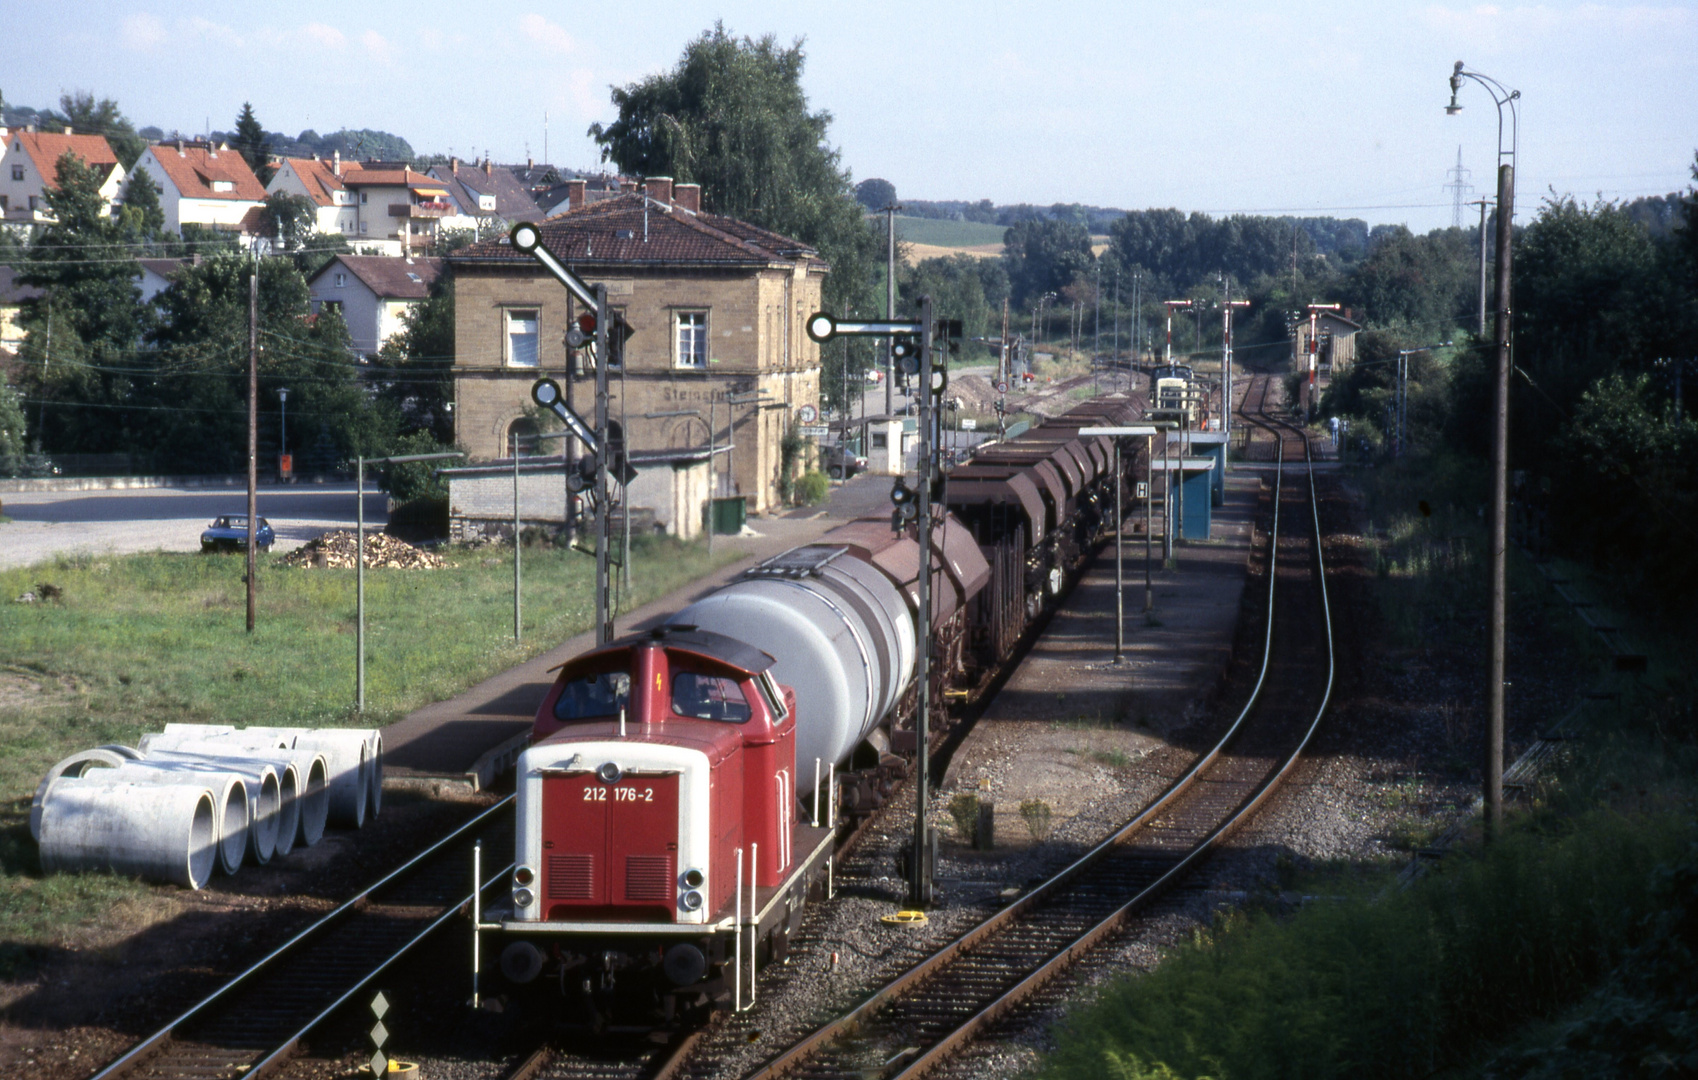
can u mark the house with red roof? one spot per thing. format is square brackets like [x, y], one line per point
[29, 169]
[717, 307]
[205, 184]
[399, 209]
[337, 206]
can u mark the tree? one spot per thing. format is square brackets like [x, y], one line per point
[293, 218]
[1044, 256]
[142, 216]
[12, 431]
[249, 141]
[875, 194]
[415, 366]
[732, 117]
[87, 116]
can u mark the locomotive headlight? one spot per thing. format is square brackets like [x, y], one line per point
[693, 878]
[523, 898]
[524, 875]
[609, 772]
[691, 900]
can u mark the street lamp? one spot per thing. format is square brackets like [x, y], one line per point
[1498, 540]
[283, 430]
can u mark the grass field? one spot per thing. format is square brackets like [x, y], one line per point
[139, 641]
[952, 234]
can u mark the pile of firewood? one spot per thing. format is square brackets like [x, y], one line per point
[340, 550]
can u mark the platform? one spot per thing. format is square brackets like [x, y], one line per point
[1068, 708]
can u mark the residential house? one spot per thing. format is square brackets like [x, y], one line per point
[398, 208]
[490, 195]
[372, 292]
[29, 169]
[581, 191]
[336, 207]
[717, 307]
[157, 275]
[205, 184]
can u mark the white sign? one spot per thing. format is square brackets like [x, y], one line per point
[969, 424]
[815, 431]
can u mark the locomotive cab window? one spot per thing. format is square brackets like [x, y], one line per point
[593, 696]
[709, 697]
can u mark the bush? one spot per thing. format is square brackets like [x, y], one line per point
[813, 488]
[1038, 818]
[964, 811]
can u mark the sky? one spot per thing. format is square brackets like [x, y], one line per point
[1307, 109]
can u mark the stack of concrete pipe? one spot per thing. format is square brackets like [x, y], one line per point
[200, 797]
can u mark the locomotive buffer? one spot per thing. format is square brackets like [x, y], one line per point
[822, 327]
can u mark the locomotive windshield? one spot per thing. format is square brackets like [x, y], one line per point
[709, 697]
[591, 696]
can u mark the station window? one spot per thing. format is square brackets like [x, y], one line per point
[592, 696]
[521, 337]
[17, 172]
[691, 339]
[709, 697]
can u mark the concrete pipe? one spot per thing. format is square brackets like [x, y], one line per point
[347, 754]
[258, 775]
[161, 832]
[288, 809]
[312, 796]
[229, 794]
[74, 766]
[311, 804]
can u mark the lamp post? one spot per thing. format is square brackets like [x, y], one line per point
[1498, 540]
[283, 430]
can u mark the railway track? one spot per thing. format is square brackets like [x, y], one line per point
[615, 1061]
[256, 1023]
[939, 1007]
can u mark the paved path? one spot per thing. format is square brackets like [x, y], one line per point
[46, 524]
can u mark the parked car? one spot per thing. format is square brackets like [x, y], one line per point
[835, 458]
[230, 533]
[874, 376]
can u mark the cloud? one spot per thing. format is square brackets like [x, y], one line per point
[326, 36]
[1512, 23]
[378, 46]
[143, 31]
[552, 37]
[207, 30]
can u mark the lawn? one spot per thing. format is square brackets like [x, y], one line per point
[942, 233]
[138, 641]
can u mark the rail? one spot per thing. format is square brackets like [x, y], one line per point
[142, 1052]
[941, 1043]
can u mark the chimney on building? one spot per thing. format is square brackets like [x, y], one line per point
[336, 162]
[627, 186]
[659, 188]
[454, 166]
[69, 130]
[180, 148]
[687, 197]
[575, 194]
[488, 169]
[529, 164]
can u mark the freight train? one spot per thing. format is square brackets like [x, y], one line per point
[685, 787]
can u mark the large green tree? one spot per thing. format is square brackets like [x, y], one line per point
[732, 117]
[1044, 256]
[83, 331]
[249, 140]
[103, 117]
[414, 369]
[13, 431]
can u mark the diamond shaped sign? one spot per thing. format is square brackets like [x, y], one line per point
[379, 1005]
[379, 1035]
[379, 1064]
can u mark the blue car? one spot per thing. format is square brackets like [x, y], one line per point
[230, 533]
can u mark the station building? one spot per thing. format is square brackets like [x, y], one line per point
[717, 309]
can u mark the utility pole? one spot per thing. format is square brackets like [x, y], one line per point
[1097, 331]
[1500, 506]
[253, 437]
[1115, 348]
[1226, 354]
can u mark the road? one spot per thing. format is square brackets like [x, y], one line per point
[49, 523]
